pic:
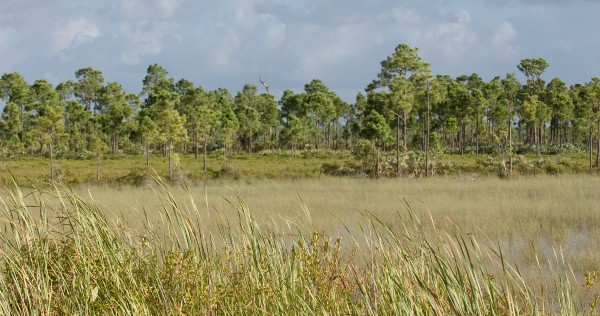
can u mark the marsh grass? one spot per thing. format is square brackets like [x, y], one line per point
[64, 254]
[131, 169]
[521, 214]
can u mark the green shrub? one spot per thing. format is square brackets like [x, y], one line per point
[340, 169]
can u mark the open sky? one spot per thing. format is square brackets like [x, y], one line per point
[228, 43]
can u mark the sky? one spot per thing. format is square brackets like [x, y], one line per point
[229, 43]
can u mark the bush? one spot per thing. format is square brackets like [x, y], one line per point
[134, 149]
[340, 169]
[228, 172]
[79, 155]
[365, 152]
[561, 149]
[551, 167]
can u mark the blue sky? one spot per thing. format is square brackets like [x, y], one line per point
[288, 43]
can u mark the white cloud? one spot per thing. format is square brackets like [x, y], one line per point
[167, 7]
[329, 50]
[72, 33]
[289, 41]
[274, 31]
[405, 16]
[455, 37]
[138, 10]
[141, 41]
[505, 33]
[225, 51]
[503, 41]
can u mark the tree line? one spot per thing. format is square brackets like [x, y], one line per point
[405, 109]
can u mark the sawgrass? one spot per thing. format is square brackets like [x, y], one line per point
[338, 246]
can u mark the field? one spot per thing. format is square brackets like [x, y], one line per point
[459, 245]
[132, 170]
[546, 213]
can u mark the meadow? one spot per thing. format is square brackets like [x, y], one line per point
[522, 215]
[281, 165]
[438, 246]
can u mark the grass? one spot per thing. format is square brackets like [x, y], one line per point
[270, 165]
[329, 246]
[521, 214]
[132, 169]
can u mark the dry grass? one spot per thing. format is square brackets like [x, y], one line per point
[154, 250]
[545, 213]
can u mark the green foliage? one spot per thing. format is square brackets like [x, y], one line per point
[365, 152]
[377, 129]
[404, 104]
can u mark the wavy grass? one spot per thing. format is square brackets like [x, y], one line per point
[61, 254]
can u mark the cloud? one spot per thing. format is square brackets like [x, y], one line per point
[137, 10]
[274, 31]
[455, 37]
[72, 33]
[502, 41]
[406, 16]
[505, 33]
[142, 39]
[290, 42]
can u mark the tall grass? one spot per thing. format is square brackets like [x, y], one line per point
[62, 254]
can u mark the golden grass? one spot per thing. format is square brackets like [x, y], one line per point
[545, 213]
[84, 260]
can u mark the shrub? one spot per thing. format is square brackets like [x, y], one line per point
[340, 169]
[365, 152]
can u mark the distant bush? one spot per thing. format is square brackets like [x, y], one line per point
[79, 155]
[135, 177]
[228, 172]
[365, 153]
[561, 149]
[340, 169]
[522, 149]
[134, 149]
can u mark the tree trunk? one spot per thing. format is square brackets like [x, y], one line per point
[427, 142]
[404, 134]
[377, 163]
[250, 144]
[97, 167]
[168, 150]
[398, 145]
[461, 139]
[590, 149]
[510, 150]
[147, 156]
[294, 150]
[423, 136]
[196, 146]
[477, 137]
[51, 161]
[204, 162]
[598, 154]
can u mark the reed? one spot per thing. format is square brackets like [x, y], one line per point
[63, 254]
